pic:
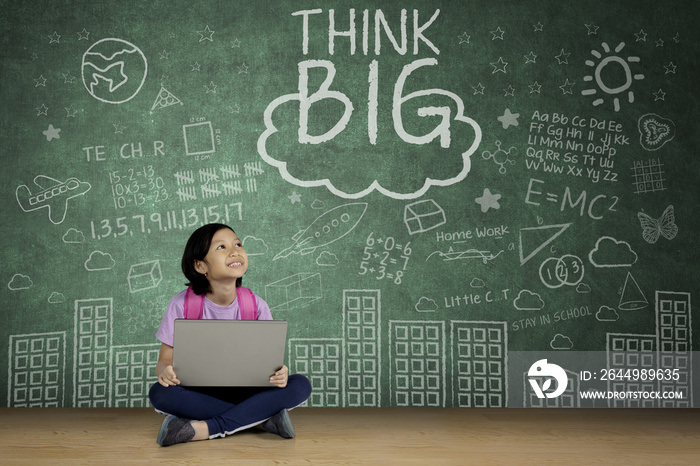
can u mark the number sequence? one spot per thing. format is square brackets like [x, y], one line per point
[640, 374]
[171, 220]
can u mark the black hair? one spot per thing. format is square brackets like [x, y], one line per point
[196, 249]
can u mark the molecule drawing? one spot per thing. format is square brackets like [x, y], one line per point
[500, 157]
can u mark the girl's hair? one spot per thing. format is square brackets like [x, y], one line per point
[196, 249]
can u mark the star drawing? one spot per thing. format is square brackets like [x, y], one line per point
[508, 119]
[499, 65]
[488, 201]
[295, 197]
[52, 133]
[566, 87]
[207, 34]
[563, 57]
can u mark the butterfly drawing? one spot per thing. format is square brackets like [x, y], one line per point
[652, 228]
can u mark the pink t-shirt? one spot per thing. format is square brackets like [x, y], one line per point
[176, 310]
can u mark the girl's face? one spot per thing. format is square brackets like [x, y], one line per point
[226, 259]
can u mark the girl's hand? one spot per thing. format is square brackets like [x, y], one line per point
[168, 377]
[279, 378]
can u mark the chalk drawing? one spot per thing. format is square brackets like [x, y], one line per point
[451, 255]
[99, 260]
[132, 374]
[612, 59]
[607, 314]
[199, 138]
[442, 132]
[583, 288]
[566, 88]
[497, 34]
[477, 283]
[556, 272]
[422, 216]
[674, 329]
[534, 235]
[609, 252]
[37, 369]
[362, 312]
[52, 195]
[321, 361]
[254, 246]
[631, 297]
[652, 228]
[20, 282]
[295, 291]
[508, 119]
[563, 57]
[327, 228]
[499, 66]
[426, 305]
[528, 301]
[91, 361]
[164, 99]
[56, 298]
[52, 133]
[327, 259]
[478, 351]
[210, 88]
[417, 363]
[655, 131]
[114, 70]
[535, 88]
[629, 352]
[561, 342]
[500, 157]
[144, 276]
[488, 201]
[206, 34]
[648, 176]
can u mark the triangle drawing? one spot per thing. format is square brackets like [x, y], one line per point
[164, 99]
[531, 239]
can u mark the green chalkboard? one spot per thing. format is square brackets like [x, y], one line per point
[422, 187]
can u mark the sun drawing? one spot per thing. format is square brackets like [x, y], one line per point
[616, 66]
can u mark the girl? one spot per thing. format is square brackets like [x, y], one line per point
[214, 263]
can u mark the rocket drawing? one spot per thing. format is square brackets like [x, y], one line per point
[326, 229]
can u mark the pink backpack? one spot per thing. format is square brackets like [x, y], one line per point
[194, 304]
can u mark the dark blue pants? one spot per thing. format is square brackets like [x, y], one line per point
[228, 410]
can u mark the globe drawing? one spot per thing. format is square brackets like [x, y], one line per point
[114, 70]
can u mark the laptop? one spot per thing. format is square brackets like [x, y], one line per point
[228, 353]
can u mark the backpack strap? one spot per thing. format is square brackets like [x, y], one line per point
[247, 303]
[194, 304]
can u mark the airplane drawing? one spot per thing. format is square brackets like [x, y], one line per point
[326, 229]
[52, 194]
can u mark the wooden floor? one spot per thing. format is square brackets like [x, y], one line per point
[377, 436]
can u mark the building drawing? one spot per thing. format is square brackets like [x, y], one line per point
[361, 331]
[37, 370]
